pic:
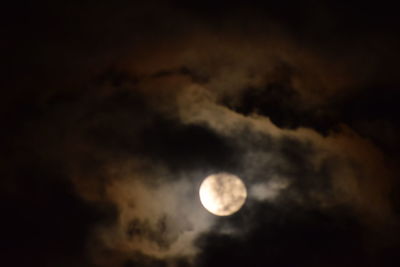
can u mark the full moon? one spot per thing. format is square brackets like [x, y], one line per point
[222, 194]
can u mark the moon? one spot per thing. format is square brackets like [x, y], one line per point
[222, 194]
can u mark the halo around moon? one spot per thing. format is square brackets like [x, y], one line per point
[222, 194]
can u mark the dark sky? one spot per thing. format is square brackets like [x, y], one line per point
[112, 113]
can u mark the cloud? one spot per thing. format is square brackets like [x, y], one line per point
[152, 169]
[144, 153]
[160, 222]
[269, 190]
[127, 115]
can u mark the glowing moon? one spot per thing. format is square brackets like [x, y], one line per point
[222, 194]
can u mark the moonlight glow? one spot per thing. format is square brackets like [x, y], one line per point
[222, 194]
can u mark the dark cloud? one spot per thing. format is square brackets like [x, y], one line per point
[361, 110]
[113, 113]
[282, 237]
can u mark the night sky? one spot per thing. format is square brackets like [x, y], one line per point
[113, 112]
